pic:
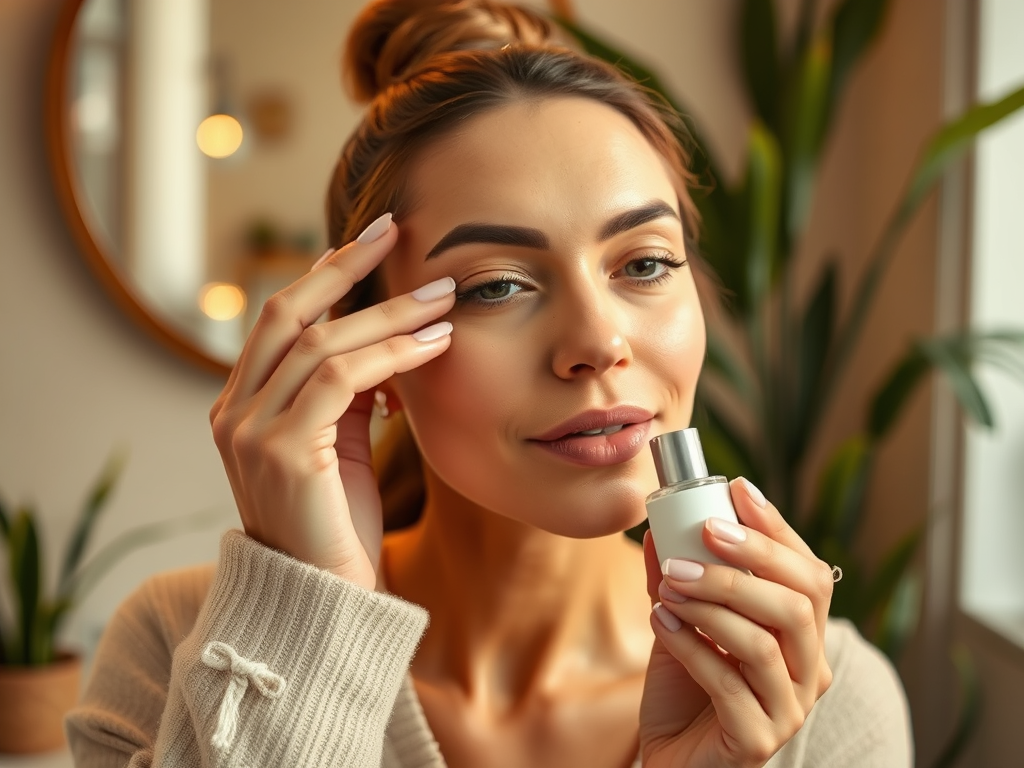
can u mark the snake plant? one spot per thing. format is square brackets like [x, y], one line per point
[38, 617]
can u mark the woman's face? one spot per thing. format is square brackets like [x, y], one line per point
[571, 304]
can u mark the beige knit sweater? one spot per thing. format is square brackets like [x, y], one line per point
[268, 661]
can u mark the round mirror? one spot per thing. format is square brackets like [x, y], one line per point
[191, 143]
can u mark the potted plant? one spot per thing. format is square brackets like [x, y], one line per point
[785, 361]
[39, 678]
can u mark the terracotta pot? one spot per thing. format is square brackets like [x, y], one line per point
[33, 702]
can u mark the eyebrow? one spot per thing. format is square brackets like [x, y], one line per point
[527, 237]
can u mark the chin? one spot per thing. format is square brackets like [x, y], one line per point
[608, 517]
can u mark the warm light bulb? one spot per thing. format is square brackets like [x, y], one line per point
[221, 301]
[219, 136]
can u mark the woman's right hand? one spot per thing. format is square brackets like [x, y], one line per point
[292, 423]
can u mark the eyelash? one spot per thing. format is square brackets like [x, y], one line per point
[472, 293]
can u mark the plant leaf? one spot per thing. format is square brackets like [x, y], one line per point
[94, 505]
[805, 137]
[815, 338]
[25, 576]
[841, 492]
[952, 141]
[948, 144]
[760, 58]
[900, 616]
[763, 193]
[882, 586]
[890, 398]
[855, 26]
[720, 359]
[950, 356]
[90, 573]
[725, 451]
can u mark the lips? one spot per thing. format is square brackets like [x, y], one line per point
[595, 419]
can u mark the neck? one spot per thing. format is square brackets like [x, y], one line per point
[515, 610]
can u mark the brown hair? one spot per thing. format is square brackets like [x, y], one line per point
[423, 66]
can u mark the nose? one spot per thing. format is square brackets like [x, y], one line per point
[590, 336]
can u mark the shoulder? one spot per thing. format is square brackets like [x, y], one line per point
[863, 719]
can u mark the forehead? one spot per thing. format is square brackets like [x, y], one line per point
[553, 163]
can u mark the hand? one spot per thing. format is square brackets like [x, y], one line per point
[292, 423]
[735, 691]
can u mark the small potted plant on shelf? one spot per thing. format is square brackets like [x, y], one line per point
[39, 678]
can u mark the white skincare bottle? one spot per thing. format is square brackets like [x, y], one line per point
[686, 499]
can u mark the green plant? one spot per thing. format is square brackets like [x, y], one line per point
[781, 376]
[783, 373]
[38, 618]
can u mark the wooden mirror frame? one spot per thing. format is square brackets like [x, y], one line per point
[120, 289]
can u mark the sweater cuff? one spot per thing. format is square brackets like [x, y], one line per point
[342, 651]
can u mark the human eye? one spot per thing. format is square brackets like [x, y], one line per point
[652, 268]
[491, 293]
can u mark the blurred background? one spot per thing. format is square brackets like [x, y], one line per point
[236, 109]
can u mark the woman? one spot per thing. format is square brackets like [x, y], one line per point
[529, 282]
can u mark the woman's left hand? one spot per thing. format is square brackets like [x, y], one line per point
[735, 691]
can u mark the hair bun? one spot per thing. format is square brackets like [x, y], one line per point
[391, 38]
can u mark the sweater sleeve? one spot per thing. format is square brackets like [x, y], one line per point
[285, 664]
[862, 720]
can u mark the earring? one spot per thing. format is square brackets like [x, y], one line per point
[381, 404]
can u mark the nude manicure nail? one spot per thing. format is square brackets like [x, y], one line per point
[754, 493]
[726, 530]
[376, 229]
[682, 570]
[670, 621]
[666, 593]
[434, 290]
[433, 332]
[323, 258]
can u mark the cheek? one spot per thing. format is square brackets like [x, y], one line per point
[673, 348]
[469, 391]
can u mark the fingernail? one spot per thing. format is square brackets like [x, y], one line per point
[433, 332]
[668, 619]
[377, 228]
[682, 570]
[323, 258]
[434, 290]
[666, 593]
[754, 493]
[726, 530]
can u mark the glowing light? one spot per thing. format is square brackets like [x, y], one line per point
[221, 301]
[219, 136]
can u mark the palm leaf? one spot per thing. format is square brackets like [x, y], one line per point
[763, 185]
[761, 59]
[840, 493]
[725, 451]
[948, 144]
[900, 616]
[720, 359]
[882, 587]
[855, 26]
[815, 338]
[805, 136]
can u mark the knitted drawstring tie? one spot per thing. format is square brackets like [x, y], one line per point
[220, 655]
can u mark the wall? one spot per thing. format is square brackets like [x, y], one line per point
[76, 378]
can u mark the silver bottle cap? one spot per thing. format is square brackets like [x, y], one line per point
[678, 457]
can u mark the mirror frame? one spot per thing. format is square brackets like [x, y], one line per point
[111, 277]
